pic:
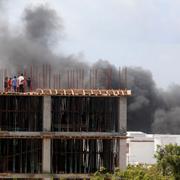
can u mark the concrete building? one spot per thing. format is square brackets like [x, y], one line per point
[141, 147]
[62, 133]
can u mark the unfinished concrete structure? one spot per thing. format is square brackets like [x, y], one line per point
[62, 133]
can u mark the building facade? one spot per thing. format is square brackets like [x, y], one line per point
[62, 133]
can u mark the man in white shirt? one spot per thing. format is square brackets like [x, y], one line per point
[21, 83]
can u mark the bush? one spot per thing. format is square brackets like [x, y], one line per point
[133, 172]
[168, 160]
[167, 167]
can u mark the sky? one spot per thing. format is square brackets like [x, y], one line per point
[143, 33]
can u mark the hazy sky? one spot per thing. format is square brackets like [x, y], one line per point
[142, 33]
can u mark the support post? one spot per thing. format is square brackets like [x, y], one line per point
[46, 166]
[122, 127]
[47, 113]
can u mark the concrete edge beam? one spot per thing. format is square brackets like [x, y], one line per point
[44, 175]
[62, 135]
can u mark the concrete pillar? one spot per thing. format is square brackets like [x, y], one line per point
[46, 156]
[122, 127]
[47, 113]
[46, 166]
[122, 154]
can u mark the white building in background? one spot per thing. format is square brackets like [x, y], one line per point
[141, 147]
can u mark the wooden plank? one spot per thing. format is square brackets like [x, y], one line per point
[61, 135]
[73, 92]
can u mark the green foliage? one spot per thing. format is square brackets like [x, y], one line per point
[133, 172]
[101, 174]
[139, 172]
[167, 167]
[168, 160]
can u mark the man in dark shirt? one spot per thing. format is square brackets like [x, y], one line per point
[29, 84]
[6, 84]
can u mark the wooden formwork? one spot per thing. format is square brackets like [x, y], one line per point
[72, 92]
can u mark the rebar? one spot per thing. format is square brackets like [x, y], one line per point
[43, 77]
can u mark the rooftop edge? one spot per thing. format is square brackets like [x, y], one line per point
[72, 92]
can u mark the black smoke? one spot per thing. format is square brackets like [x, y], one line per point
[34, 42]
[145, 99]
[149, 109]
[43, 25]
[167, 117]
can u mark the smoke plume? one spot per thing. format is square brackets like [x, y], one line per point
[167, 116]
[34, 42]
[42, 25]
[149, 109]
[145, 99]
[2, 17]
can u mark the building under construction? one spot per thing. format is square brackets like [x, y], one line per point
[62, 133]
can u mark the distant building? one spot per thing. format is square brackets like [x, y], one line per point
[141, 146]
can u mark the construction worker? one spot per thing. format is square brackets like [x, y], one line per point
[17, 85]
[14, 84]
[9, 84]
[29, 84]
[6, 84]
[21, 83]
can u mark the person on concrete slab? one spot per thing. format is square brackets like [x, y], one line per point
[14, 84]
[21, 83]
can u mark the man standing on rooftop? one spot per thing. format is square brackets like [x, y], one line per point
[21, 83]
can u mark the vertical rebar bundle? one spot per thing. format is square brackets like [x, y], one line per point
[20, 156]
[20, 113]
[44, 77]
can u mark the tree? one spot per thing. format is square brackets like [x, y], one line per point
[168, 160]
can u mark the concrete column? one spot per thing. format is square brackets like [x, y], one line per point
[46, 166]
[122, 124]
[47, 113]
[122, 154]
[122, 127]
[46, 156]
